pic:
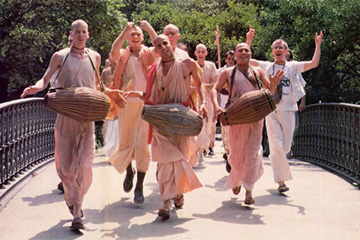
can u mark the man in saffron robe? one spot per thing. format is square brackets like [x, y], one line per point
[169, 82]
[130, 75]
[74, 140]
[244, 139]
[210, 77]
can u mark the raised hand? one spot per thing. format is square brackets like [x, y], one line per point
[250, 35]
[318, 38]
[145, 25]
[277, 77]
[217, 37]
[129, 26]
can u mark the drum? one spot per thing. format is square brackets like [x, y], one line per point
[173, 119]
[82, 103]
[250, 107]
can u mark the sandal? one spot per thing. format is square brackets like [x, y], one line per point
[179, 201]
[164, 213]
[249, 201]
[77, 224]
[236, 190]
[283, 188]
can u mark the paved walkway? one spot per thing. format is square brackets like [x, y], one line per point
[319, 205]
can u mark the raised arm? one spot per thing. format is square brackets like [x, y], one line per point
[250, 36]
[145, 25]
[40, 85]
[316, 58]
[119, 41]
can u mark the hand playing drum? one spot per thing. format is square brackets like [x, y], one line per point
[117, 96]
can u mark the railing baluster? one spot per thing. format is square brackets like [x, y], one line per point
[329, 136]
[26, 136]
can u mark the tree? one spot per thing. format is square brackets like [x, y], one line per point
[31, 31]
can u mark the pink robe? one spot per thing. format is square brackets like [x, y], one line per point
[175, 174]
[75, 141]
[245, 142]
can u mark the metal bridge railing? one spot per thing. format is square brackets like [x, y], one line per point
[329, 136]
[26, 136]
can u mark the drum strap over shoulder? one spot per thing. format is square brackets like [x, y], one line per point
[61, 66]
[259, 82]
[101, 84]
[232, 77]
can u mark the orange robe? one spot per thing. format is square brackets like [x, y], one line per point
[133, 130]
[174, 173]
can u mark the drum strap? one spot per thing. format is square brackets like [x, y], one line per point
[259, 82]
[232, 77]
[101, 84]
[57, 75]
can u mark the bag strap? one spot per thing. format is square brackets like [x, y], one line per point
[232, 76]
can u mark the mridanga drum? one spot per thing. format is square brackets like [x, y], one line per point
[82, 103]
[250, 107]
[173, 119]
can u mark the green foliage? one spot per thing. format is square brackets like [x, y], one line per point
[197, 22]
[337, 77]
[31, 31]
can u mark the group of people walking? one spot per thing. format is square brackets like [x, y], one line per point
[161, 74]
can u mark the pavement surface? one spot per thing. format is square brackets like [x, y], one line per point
[319, 205]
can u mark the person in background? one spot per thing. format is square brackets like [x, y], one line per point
[223, 99]
[210, 77]
[182, 46]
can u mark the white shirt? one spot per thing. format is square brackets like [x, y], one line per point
[291, 86]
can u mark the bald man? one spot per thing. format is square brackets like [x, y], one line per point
[245, 155]
[74, 140]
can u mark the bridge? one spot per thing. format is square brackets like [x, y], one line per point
[323, 201]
